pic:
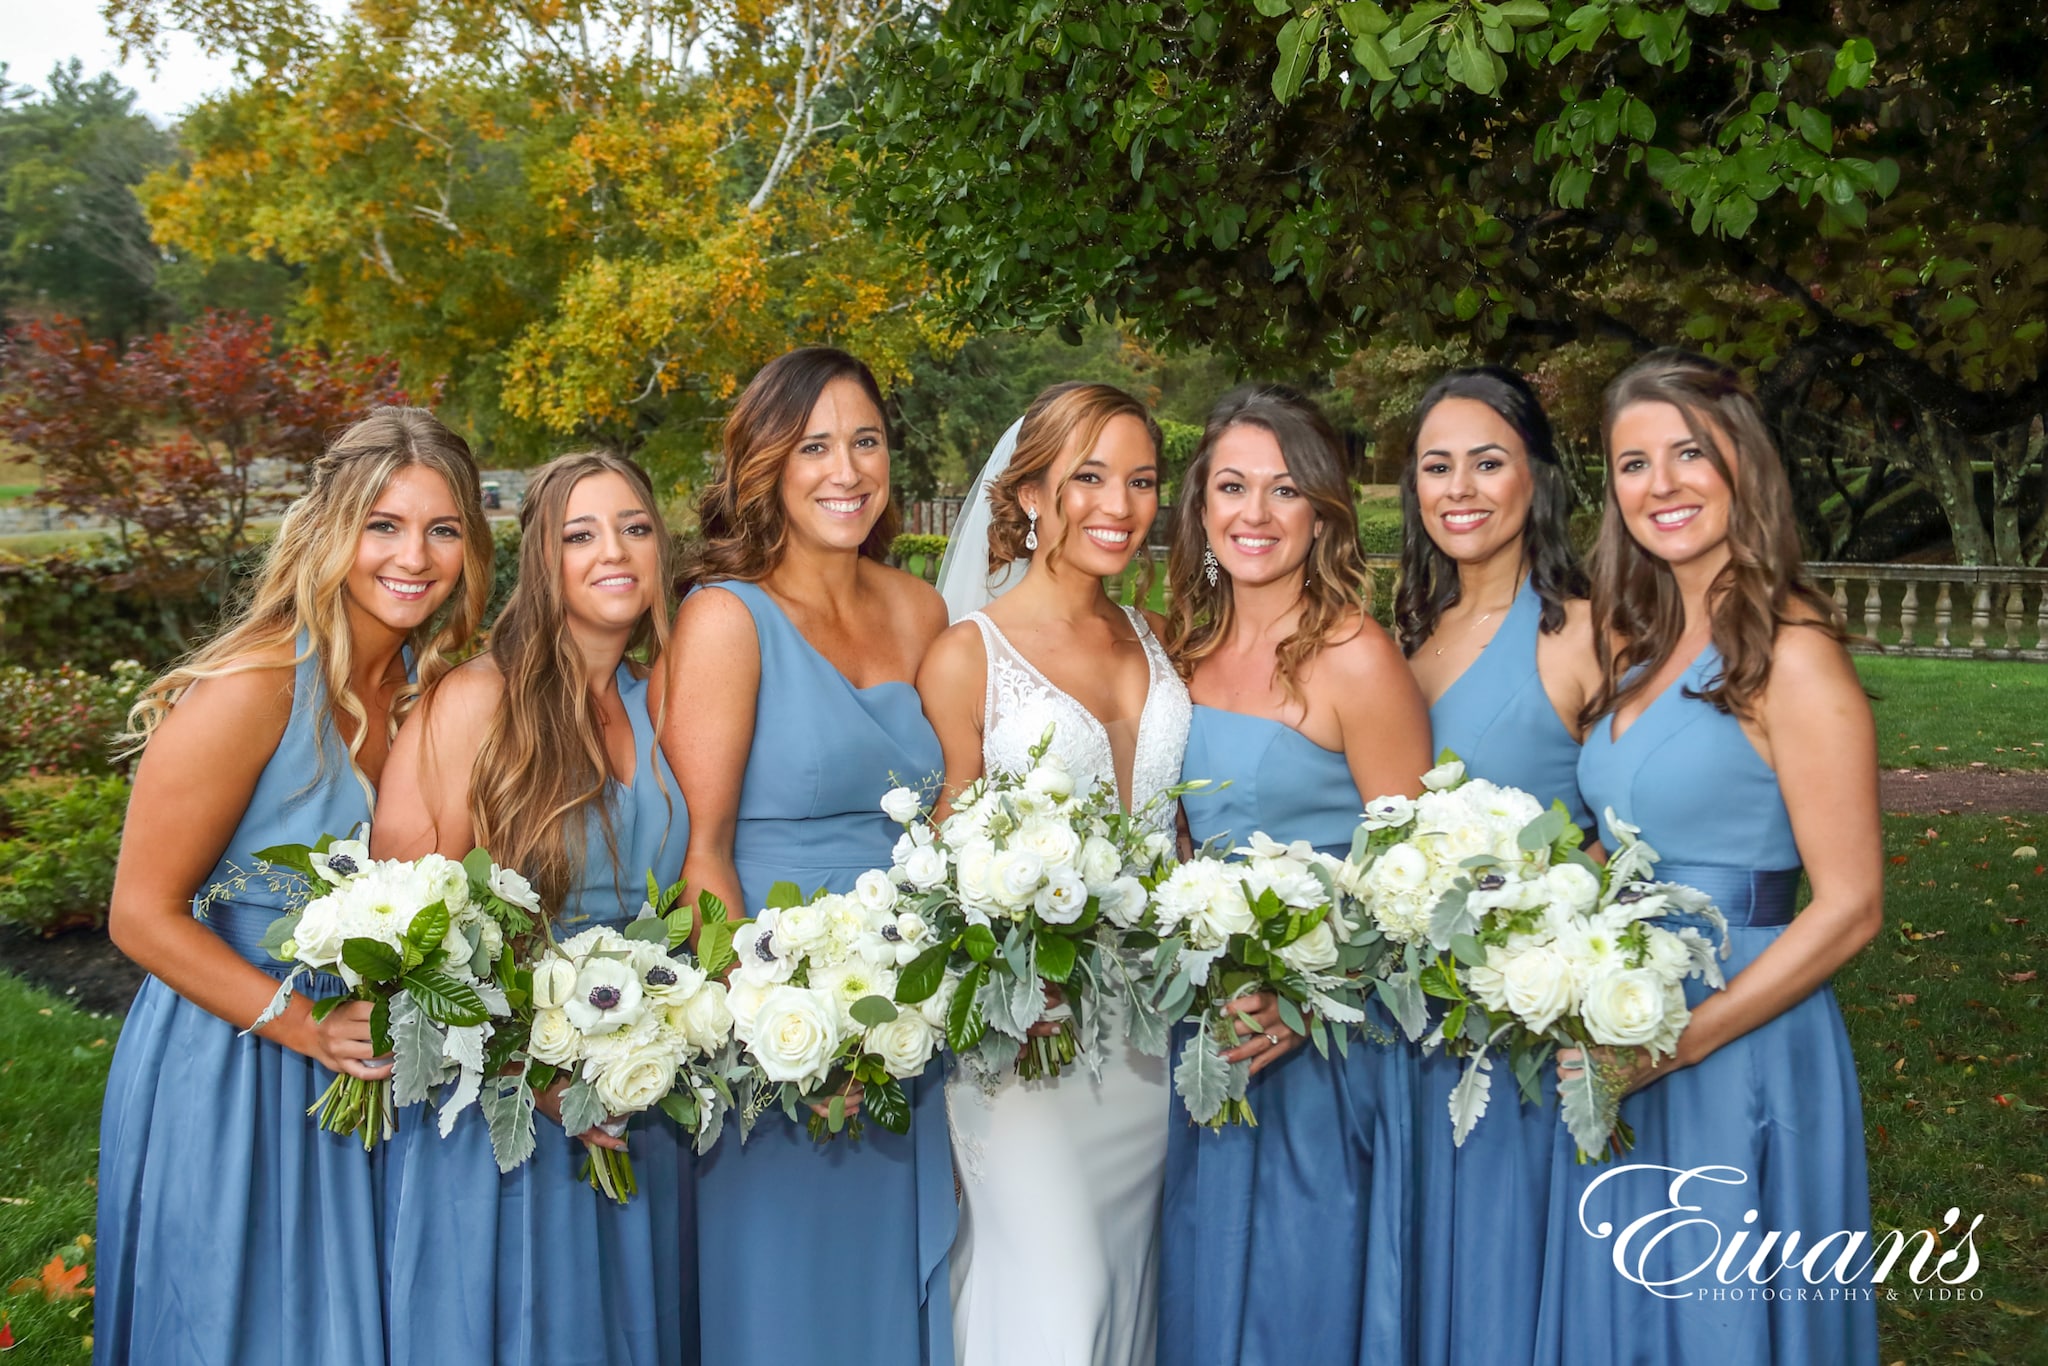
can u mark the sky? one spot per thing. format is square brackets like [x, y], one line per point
[35, 35]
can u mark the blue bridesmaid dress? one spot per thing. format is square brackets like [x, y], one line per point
[533, 1267]
[1483, 1206]
[817, 1254]
[1779, 1105]
[233, 1230]
[1292, 1241]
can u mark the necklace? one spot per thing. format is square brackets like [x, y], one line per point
[1470, 629]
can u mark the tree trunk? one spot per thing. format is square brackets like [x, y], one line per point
[1953, 483]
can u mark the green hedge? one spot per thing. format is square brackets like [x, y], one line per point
[59, 839]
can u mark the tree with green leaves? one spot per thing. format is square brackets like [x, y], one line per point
[1842, 198]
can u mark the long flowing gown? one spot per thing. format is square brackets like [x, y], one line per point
[1779, 1105]
[1294, 1241]
[533, 1267]
[233, 1230]
[1057, 1259]
[1486, 1203]
[817, 1254]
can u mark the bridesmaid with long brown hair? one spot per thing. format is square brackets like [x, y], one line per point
[791, 711]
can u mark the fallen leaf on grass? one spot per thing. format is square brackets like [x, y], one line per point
[1905, 998]
[57, 1281]
[2016, 1309]
[2034, 1178]
[1899, 860]
[2017, 977]
[2026, 851]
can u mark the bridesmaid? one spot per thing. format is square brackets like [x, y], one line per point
[232, 1229]
[794, 713]
[1492, 615]
[544, 750]
[1291, 1241]
[1732, 728]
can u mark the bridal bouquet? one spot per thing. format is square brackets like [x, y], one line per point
[419, 939]
[633, 1024]
[1271, 919]
[1027, 885]
[1532, 944]
[811, 1001]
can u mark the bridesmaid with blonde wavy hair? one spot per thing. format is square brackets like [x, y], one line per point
[232, 1229]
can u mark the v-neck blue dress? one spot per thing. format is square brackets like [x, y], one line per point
[1775, 1115]
[1484, 1204]
[818, 1254]
[533, 1267]
[1292, 1241]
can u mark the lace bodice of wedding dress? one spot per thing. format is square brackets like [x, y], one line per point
[1021, 702]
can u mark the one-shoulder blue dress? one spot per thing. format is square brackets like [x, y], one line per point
[1292, 1241]
[1777, 1110]
[818, 1254]
[533, 1267]
[1483, 1206]
[233, 1230]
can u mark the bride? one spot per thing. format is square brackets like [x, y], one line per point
[1056, 1259]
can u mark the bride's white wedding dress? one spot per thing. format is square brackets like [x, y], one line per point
[1056, 1262]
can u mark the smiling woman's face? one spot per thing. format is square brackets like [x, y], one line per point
[835, 484]
[1673, 501]
[409, 555]
[1473, 480]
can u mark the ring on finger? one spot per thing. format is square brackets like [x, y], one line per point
[1273, 1040]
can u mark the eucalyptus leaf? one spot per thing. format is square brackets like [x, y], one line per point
[870, 1011]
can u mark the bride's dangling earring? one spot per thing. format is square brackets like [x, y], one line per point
[1209, 565]
[1031, 534]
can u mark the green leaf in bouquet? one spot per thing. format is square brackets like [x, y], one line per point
[1403, 997]
[479, 956]
[783, 895]
[1056, 955]
[980, 943]
[1451, 917]
[294, 858]
[1454, 1022]
[835, 1114]
[372, 960]
[965, 1023]
[582, 1111]
[541, 1075]
[1590, 1108]
[1468, 948]
[324, 1007]
[416, 1066]
[446, 999]
[278, 933]
[1527, 1059]
[426, 932]
[380, 1027]
[922, 976]
[1163, 960]
[870, 1011]
[1437, 981]
[507, 1103]
[1202, 1077]
[715, 927]
[680, 1105]
[478, 863]
[1017, 954]
[1538, 835]
[647, 930]
[1290, 1015]
[1469, 1096]
[884, 1102]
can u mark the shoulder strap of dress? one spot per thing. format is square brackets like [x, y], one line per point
[1155, 649]
[993, 648]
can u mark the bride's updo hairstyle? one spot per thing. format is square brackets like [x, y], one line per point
[1762, 587]
[741, 513]
[1338, 590]
[1065, 418]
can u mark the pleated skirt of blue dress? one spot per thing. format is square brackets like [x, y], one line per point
[233, 1230]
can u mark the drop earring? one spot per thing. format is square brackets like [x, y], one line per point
[1031, 534]
[1209, 565]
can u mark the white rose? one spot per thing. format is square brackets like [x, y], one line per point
[1223, 913]
[1444, 775]
[1050, 778]
[925, 868]
[935, 1006]
[321, 931]
[1536, 985]
[1053, 841]
[846, 983]
[874, 890]
[972, 867]
[553, 1039]
[901, 804]
[606, 996]
[1014, 876]
[1401, 868]
[1315, 951]
[909, 936]
[632, 1084]
[1624, 1009]
[705, 1019]
[1099, 863]
[1572, 887]
[1062, 899]
[446, 882]
[508, 886]
[743, 998]
[904, 1044]
[554, 980]
[1122, 902]
[343, 860]
[796, 1036]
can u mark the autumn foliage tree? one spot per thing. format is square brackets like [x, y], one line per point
[163, 439]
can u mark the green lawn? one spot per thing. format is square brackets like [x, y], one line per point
[1951, 713]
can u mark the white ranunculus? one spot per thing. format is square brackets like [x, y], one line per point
[1401, 868]
[743, 998]
[796, 1036]
[553, 1040]
[1050, 778]
[1223, 913]
[874, 890]
[1122, 902]
[554, 980]
[1572, 887]
[1156, 846]
[343, 860]
[904, 1044]
[800, 929]
[1444, 775]
[1624, 1009]
[1667, 954]
[925, 868]
[636, 1082]
[705, 1018]
[1014, 877]
[901, 804]
[1053, 841]
[972, 867]
[1062, 899]
[508, 886]
[607, 996]
[845, 983]
[446, 882]
[1099, 863]
[1289, 879]
[1384, 813]
[1537, 986]
[1315, 951]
